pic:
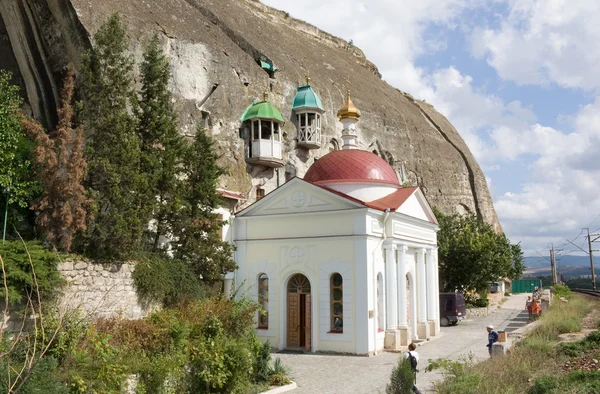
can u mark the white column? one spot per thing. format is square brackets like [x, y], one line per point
[421, 287]
[431, 287]
[402, 270]
[434, 258]
[391, 290]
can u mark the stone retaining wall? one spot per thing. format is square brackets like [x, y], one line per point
[477, 312]
[101, 289]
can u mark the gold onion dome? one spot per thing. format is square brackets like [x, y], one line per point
[349, 110]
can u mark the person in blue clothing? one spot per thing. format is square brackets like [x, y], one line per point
[492, 338]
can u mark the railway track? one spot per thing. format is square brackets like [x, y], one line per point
[594, 293]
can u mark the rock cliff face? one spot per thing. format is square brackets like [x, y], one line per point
[215, 48]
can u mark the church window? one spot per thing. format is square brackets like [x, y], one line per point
[260, 193]
[379, 302]
[336, 301]
[263, 301]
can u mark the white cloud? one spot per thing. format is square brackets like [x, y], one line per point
[539, 42]
[542, 42]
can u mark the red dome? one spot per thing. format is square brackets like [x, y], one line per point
[351, 165]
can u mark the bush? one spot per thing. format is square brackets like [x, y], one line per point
[476, 302]
[279, 374]
[402, 378]
[165, 280]
[262, 359]
[19, 273]
[561, 291]
[573, 382]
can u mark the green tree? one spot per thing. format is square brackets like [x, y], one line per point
[16, 180]
[471, 254]
[60, 167]
[162, 147]
[113, 146]
[197, 235]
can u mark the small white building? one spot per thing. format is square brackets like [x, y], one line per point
[344, 260]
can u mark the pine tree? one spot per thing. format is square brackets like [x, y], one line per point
[162, 147]
[113, 146]
[197, 233]
[60, 167]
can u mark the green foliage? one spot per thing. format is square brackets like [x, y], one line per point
[96, 365]
[165, 280]
[19, 272]
[17, 183]
[561, 291]
[15, 167]
[471, 254]
[162, 147]
[480, 301]
[402, 378]
[43, 379]
[575, 349]
[573, 382]
[262, 359]
[197, 232]
[113, 146]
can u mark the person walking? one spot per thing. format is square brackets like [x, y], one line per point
[536, 309]
[413, 357]
[529, 307]
[492, 338]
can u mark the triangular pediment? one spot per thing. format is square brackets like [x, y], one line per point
[416, 206]
[298, 196]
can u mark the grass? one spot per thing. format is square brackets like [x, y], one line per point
[534, 364]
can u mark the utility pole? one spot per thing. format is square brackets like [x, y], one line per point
[553, 264]
[591, 259]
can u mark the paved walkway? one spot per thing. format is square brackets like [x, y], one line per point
[336, 374]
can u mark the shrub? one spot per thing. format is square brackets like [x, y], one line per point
[279, 374]
[573, 382]
[561, 291]
[165, 280]
[262, 358]
[402, 378]
[19, 274]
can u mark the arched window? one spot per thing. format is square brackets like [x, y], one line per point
[263, 301]
[379, 302]
[337, 303]
[333, 145]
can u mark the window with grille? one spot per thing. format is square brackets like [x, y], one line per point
[260, 193]
[263, 301]
[337, 303]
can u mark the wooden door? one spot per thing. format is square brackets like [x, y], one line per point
[307, 324]
[293, 320]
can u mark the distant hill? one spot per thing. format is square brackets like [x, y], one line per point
[572, 261]
[571, 266]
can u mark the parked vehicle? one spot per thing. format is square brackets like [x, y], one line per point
[452, 308]
[494, 287]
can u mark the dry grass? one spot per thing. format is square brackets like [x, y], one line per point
[533, 357]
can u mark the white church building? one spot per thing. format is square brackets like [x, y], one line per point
[343, 260]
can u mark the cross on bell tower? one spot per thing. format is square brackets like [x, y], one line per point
[348, 116]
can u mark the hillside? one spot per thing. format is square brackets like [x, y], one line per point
[215, 48]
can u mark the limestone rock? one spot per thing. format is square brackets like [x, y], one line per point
[215, 47]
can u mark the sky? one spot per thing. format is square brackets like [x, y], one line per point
[520, 81]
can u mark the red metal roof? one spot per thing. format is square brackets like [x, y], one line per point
[351, 165]
[229, 194]
[392, 201]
